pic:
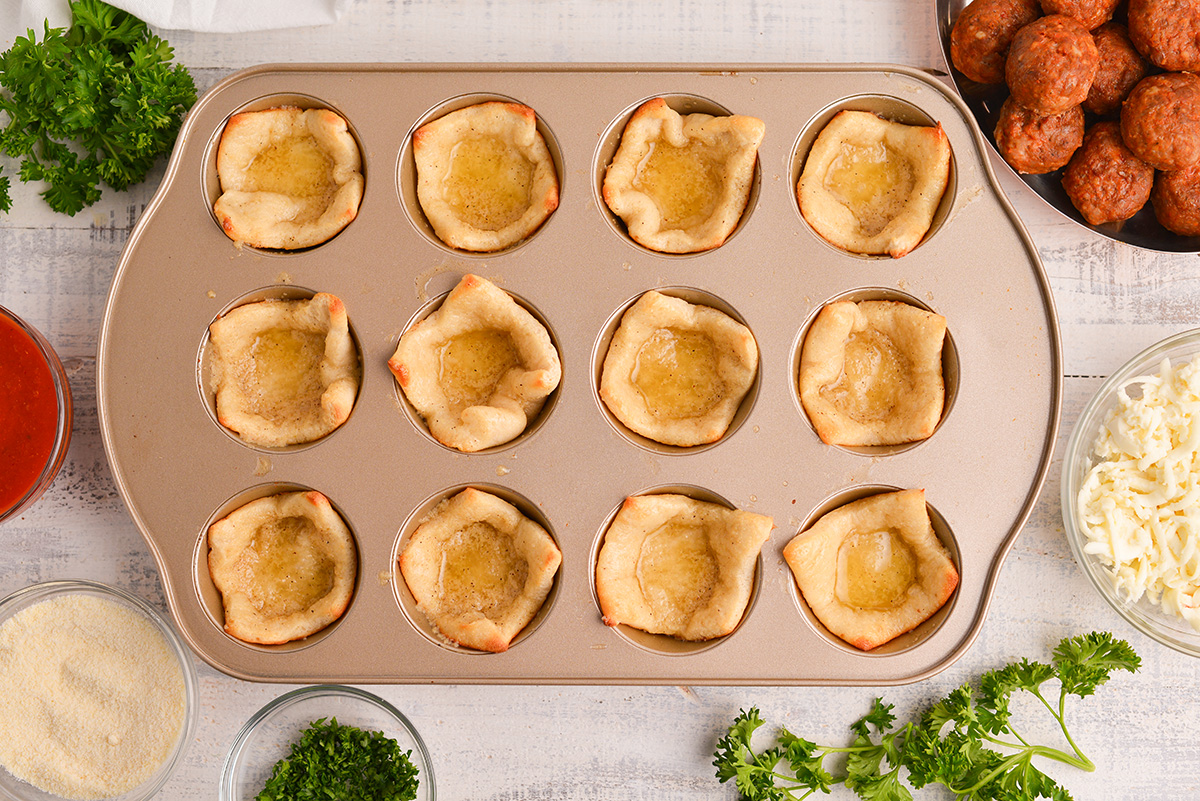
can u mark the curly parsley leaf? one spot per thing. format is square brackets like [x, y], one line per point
[96, 104]
[966, 741]
[333, 761]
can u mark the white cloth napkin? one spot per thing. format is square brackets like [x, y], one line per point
[217, 16]
[233, 16]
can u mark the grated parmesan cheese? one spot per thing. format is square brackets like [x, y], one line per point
[1139, 506]
[91, 697]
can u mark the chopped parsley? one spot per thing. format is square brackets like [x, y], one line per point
[967, 741]
[342, 763]
[96, 103]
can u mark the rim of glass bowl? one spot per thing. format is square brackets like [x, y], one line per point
[243, 739]
[65, 422]
[1077, 461]
[35, 593]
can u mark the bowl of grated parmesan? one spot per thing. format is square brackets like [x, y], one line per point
[1131, 491]
[98, 695]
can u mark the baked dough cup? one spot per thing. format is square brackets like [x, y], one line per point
[285, 372]
[676, 372]
[478, 369]
[873, 569]
[681, 182]
[285, 566]
[290, 178]
[677, 566]
[871, 186]
[485, 178]
[479, 569]
[871, 373]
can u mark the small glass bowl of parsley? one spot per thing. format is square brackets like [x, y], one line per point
[327, 741]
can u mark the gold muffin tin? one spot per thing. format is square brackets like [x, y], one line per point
[178, 470]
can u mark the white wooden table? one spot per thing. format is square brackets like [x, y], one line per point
[627, 742]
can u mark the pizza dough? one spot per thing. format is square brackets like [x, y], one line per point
[479, 569]
[871, 373]
[677, 566]
[285, 566]
[485, 178]
[290, 178]
[284, 371]
[676, 372]
[478, 369]
[681, 182]
[871, 186]
[873, 569]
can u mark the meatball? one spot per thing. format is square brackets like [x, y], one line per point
[1036, 144]
[1121, 67]
[1160, 120]
[1105, 181]
[1090, 13]
[1051, 64]
[980, 37]
[1176, 200]
[1167, 32]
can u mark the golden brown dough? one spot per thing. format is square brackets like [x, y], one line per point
[284, 372]
[871, 373]
[485, 178]
[478, 369]
[285, 566]
[479, 569]
[872, 186]
[676, 372]
[290, 178]
[673, 565]
[873, 569]
[681, 182]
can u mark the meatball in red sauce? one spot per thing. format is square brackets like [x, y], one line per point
[1176, 200]
[1105, 181]
[1167, 32]
[1121, 67]
[1051, 64]
[982, 33]
[1160, 120]
[1090, 13]
[1034, 143]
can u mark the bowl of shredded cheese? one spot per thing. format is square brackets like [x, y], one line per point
[1131, 491]
[98, 695]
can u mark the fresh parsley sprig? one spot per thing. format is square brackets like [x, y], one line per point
[953, 743]
[98, 103]
[334, 761]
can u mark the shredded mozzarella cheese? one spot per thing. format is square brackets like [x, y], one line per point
[1140, 504]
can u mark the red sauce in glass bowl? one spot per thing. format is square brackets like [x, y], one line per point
[29, 417]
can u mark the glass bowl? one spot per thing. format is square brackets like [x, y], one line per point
[268, 736]
[18, 790]
[1078, 461]
[32, 478]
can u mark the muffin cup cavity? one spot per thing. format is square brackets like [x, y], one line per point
[211, 182]
[892, 109]
[533, 426]
[205, 384]
[662, 644]
[210, 597]
[406, 172]
[910, 639]
[600, 350]
[610, 140]
[950, 367]
[404, 597]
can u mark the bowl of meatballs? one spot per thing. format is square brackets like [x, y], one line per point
[1094, 104]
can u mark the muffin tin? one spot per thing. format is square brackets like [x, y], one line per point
[178, 470]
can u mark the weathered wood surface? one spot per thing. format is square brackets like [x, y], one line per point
[519, 743]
